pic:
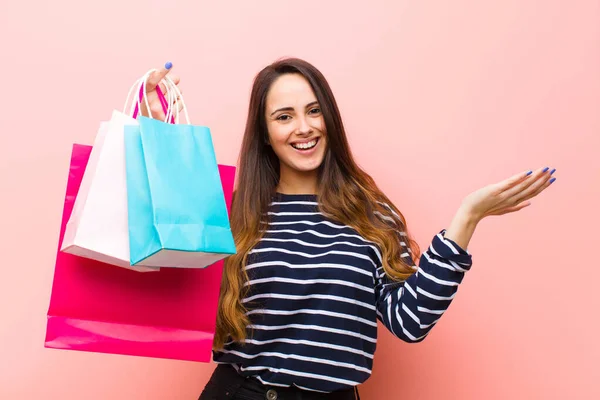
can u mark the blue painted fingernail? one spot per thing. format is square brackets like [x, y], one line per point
[552, 180]
[528, 173]
[168, 65]
[553, 170]
[545, 169]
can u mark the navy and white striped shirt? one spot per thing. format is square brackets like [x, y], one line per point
[317, 289]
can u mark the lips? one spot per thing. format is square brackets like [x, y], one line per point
[305, 145]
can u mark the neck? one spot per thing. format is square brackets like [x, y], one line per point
[297, 182]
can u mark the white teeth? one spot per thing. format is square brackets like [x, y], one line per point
[305, 146]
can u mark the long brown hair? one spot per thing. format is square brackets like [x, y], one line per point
[346, 194]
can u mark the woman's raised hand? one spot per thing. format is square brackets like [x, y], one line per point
[158, 79]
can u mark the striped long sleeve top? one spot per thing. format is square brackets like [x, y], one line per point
[316, 291]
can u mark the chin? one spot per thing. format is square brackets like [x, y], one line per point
[307, 166]
[307, 170]
[301, 164]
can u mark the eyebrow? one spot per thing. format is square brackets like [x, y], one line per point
[292, 108]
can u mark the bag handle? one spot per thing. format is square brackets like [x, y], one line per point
[173, 97]
[135, 107]
[140, 84]
[178, 97]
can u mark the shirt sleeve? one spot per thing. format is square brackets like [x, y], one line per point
[411, 308]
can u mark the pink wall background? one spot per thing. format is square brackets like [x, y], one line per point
[439, 98]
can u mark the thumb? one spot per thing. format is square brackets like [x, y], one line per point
[157, 76]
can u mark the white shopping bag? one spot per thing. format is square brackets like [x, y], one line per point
[97, 228]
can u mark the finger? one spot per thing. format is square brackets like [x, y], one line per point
[166, 94]
[163, 87]
[156, 108]
[157, 76]
[176, 93]
[169, 94]
[178, 105]
[175, 101]
[534, 188]
[531, 179]
[512, 181]
[166, 97]
[170, 102]
[525, 190]
[175, 79]
[539, 190]
[163, 84]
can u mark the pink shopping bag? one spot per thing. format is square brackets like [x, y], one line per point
[95, 307]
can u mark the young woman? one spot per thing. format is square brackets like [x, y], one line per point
[322, 252]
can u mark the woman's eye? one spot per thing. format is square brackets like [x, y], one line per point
[283, 117]
[315, 111]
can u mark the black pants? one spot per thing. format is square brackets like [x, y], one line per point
[227, 384]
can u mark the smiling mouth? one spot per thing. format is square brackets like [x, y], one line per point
[306, 145]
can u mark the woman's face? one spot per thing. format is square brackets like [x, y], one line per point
[295, 124]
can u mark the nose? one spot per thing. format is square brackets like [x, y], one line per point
[303, 127]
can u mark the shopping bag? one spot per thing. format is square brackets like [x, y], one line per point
[97, 228]
[170, 313]
[177, 216]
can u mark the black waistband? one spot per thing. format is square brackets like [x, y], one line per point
[227, 373]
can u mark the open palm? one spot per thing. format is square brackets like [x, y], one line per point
[509, 195]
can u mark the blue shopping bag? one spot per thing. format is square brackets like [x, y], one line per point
[177, 213]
